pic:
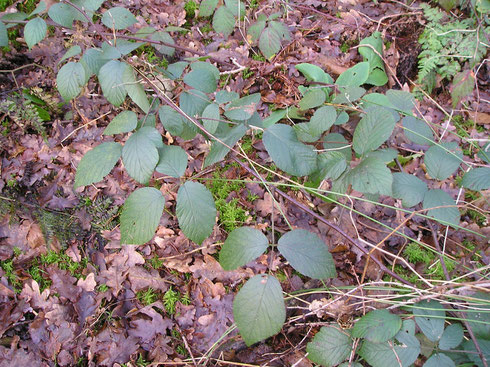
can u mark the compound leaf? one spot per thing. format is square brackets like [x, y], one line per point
[243, 245]
[330, 346]
[429, 317]
[124, 122]
[409, 188]
[259, 309]
[35, 31]
[377, 326]
[97, 163]
[118, 18]
[449, 212]
[140, 215]
[195, 211]
[307, 253]
[287, 152]
[70, 80]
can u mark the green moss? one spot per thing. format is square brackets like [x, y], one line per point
[155, 262]
[259, 57]
[206, 28]
[147, 297]
[27, 6]
[170, 299]
[231, 213]
[102, 288]
[247, 73]
[65, 262]
[190, 8]
[415, 254]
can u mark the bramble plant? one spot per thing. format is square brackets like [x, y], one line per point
[224, 118]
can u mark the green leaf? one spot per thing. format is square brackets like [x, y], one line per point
[243, 245]
[307, 253]
[242, 109]
[259, 309]
[336, 142]
[193, 102]
[348, 94]
[451, 337]
[330, 346]
[417, 131]
[377, 74]
[484, 153]
[463, 86]
[97, 163]
[211, 117]
[175, 123]
[287, 152]
[70, 80]
[255, 30]
[409, 188]
[223, 21]
[141, 215]
[219, 151]
[64, 14]
[371, 176]
[373, 130]
[72, 51]
[429, 317]
[439, 360]
[163, 37]
[355, 76]
[401, 100]
[118, 18]
[223, 96]
[269, 42]
[449, 214]
[4, 38]
[331, 166]
[124, 122]
[173, 161]
[35, 31]
[39, 9]
[134, 88]
[442, 161]
[477, 179]
[206, 8]
[111, 81]
[473, 355]
[195, 211]
[92, 61]
[389, 354]
[236, 7]
[385, 155]
[140, 154]
[313, 98]
[377, 326]
[314, 73]
[281, 29]
[202, 80]
[479, 319]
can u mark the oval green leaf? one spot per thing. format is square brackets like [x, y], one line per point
[477, 179]
[442, 161]
[35, 31]
[111, 81]
[223, 21]
[377, 326]
[331, 346]
[373, 130]
[448, 214]
[409, 188]
[97, 163]
[173, 161]
[118, 18]
[429, 317]
[439, 360]
[70, 80]
[243, 245]
[124, 122]
[451, 337]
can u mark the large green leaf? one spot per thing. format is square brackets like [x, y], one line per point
[269, 42]
[218, 150]
[314, 73]
[211, 117]
[401, 100]
[206, 8]
[118, 18]
[449, 212]
[409, 188]
[223, 21]
[371, 176]
[163, 37]
[242, 109]
[287, 152]
[337, 143]
[314, 97]
[451, 337]
[373, 130]
[193, 102]
[203, 80]
[97, 163]
[479, 320]
[377, 74]
[355, 76]
[71, 52]
[321, 121]
[140, 215]
[477, 179]
[377, 326]
[195, 211]
[442, 161]
[429, 317]
[259, 309]
[330, 166]
[134, 88]
[307, 253]
[140, 154]
[255, 30]
[484, 344]
[34, 31]
[175, 123]
[439, 360]
[92, 61]
[243, 245]
[4, 38]
[70, 80]
[173, 161]
[111, 81]
[330, 346]
[417, 131]
[236, 7]
[124, 122]
[389, 353]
